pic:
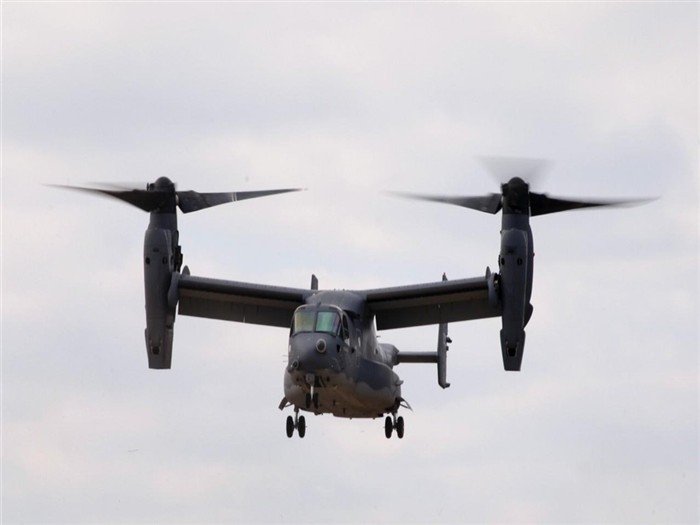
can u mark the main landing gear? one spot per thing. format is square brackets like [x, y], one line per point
[297, 422]
[392, 423]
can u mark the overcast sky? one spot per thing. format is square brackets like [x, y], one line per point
[349, 100]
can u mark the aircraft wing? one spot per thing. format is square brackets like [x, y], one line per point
[434, 303]
[238, 301]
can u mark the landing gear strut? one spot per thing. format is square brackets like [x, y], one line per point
[311, 397]
[297, 422]
[392, 423]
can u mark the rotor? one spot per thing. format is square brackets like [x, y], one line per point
[162, 196]
[515, 175]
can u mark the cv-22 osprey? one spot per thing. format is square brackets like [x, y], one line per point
[336, 365]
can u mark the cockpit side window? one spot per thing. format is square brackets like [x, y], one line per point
[303, 321]
[328, 322]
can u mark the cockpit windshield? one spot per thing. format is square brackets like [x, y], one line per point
[303, 321]
[327, 322]
[316, 321]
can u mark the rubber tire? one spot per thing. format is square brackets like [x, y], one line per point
[290, 426]
[388, 427]
[301, 428]
[399, 427]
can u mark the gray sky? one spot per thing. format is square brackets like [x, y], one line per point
[346, 99]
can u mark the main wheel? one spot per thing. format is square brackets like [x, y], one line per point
[388, 427]
[290, 426]
[399, 427]
[301, 427]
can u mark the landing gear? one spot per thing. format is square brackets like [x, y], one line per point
[301, 426]
[297, 422]
[392, 423]
[311, 399]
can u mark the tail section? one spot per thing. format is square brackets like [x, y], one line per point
[442, 348]
[439, 357]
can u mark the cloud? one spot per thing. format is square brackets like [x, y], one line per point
[349, 100]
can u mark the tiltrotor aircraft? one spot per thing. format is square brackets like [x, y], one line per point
[336, 364]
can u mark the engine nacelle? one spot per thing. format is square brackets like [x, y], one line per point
[160, 257]
[513, 265]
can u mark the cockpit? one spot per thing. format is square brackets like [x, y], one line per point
[320, 319]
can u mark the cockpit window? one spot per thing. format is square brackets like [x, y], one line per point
[328, 322]
[303, 321]
[316, 321]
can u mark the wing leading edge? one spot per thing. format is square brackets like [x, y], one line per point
[238, 301]
[434, 303]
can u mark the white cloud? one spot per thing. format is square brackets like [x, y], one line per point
[349, 99]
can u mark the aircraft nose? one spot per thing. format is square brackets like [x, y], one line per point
[309, 352]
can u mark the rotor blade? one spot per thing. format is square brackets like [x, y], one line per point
[190, 201]
[490, 203]
[142, 199]
[119, 186]
[542, 204]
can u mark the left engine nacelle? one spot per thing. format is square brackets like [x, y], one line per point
[159, 268]
[513, 262]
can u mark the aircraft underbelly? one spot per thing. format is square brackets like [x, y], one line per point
[373, 390]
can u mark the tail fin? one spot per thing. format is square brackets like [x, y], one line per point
[439, 357]
[442, 349]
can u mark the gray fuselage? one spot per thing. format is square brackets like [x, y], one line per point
[335, 363]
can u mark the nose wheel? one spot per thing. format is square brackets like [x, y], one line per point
[392, 423]
[297, 423]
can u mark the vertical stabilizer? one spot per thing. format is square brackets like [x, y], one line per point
[442, 349]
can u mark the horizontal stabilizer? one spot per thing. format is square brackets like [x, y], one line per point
[416, 357]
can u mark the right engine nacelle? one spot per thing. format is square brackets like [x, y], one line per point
[513, 265]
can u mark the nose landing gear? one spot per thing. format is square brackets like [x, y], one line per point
[311, 396]
[297, 422]
[392, 423]
[311, 399]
